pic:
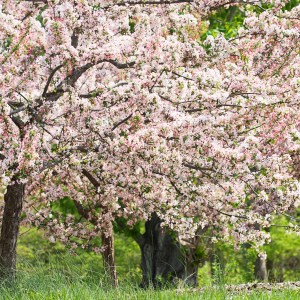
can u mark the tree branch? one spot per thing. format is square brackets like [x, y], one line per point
[125, 227]
[119, 65]
[18, 122]
[152, 2]
[84, 213]
[95, 94]
[17, 110]
[121, 122]
[77, 72]
[226, 214]
[91, 178]
[14, 103]
[50, 78]
[164, 98]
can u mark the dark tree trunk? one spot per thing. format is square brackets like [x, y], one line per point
[163, 256]
[10, 228]
[108, 257]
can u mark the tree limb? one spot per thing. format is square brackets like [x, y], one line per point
[18, 122]
[152, 2]
[50, 78]
[17, 110]
[91, 178]
[84, 213]
[121, 122]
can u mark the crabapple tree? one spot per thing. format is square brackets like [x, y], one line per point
[116, 105]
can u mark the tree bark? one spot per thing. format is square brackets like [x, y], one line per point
[165, 257]
[260, 266]
[260, 269]
[10, 228]
[108, 256]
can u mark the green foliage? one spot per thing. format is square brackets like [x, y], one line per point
[130, 231]
[283, 254]
[219, 23]
[232, 267]
[65, 206]
[228, 21]
[33, 249]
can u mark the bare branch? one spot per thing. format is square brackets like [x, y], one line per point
[91, 178]
[194, 110]
[74, 39]
[121, 83]
[287, 226]
[137, 238]
[187, 78]
[17, 110]
[226, 214]
[35, 1]
[204, 169]
[271, 205]
[50, 78]
[152, 2]
[18, 122]
[121, 122]
[81, 149]
[118, 64]
[15, 104]
[77, 72]
[84, 213]
[95, 94]
[197, 168]
[164, 98]
[27, 15]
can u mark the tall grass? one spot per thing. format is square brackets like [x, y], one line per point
[62, 279]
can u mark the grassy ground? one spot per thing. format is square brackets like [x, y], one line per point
[51, 283]
[47, 271]
[32, 248]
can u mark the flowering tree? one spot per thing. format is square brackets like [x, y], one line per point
[117, 106]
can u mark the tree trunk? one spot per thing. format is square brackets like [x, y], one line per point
[231, 14]
[164, 257]
[10, 228]
[108, 256]
[260, 269]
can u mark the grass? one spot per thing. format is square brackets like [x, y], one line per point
[64, 280]
[32, 248]
[68, 279]
[47, 271]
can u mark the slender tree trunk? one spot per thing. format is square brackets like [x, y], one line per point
[232, 12]
[10, 228]
[109, 256]
[260, 266]
[270, 272]
[165, 257]
[260, 269]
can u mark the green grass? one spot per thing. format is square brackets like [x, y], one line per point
[32, 248]
[47, 271]
[65, 280]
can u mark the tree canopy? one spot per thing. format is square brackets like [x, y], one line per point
[120, 107]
